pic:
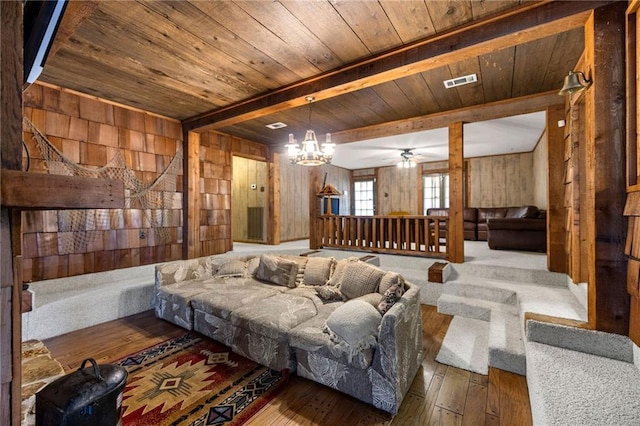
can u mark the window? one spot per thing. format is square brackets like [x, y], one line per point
[436, 190]
[363, 193]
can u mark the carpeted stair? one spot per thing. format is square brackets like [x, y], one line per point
[501, 296]
[581, 377]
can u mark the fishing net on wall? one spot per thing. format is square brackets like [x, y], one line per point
[156, 200]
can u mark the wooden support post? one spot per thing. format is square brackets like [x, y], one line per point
[11, 80]
[315, 184]
[604, 192]
[191, 195]
[273, 209]
[556, 227]
[455, 240]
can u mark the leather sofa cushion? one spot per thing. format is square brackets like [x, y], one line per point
[513, 224]
[485, 213]
[523, 212]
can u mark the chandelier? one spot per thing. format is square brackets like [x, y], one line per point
[310, 154]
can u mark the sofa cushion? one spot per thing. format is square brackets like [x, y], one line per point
[389, 279]
[273, 317]
[485, 213]
[233, 294]
[353, 327]
[338, 271]
[232, 268]
[318, 270]
[277, 270]
[523, 212]
[329, 293]
[360, 278]
[373, 299]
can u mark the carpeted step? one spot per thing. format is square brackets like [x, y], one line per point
[465, 307]
[472, 291]
[506, 344]
[568, 387]
[469, 271]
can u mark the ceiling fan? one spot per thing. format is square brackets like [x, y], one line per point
[407, 158]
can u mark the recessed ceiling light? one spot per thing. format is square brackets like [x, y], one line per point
[459, 81]
[278, 125]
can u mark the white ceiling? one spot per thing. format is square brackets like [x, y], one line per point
[494, 137]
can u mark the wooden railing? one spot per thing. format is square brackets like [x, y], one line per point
[410, 235]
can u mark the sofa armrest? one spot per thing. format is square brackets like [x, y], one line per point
[399, 353]
[180, 270]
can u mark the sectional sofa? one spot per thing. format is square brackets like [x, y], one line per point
[514, 228]
[346, 324]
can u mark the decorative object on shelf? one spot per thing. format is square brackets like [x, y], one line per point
[407, 160]
[574, 82]
[310, 154]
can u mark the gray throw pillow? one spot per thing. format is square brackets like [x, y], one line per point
[338, 271]
[277, 270]
[329, 293]
[318, 270]
[232, 268]
[353, 327]
[360, 278]
[389, 279]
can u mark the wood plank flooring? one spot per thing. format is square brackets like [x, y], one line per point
[439, 395]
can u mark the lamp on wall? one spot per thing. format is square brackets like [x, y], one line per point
[574, 82]
[310, 154]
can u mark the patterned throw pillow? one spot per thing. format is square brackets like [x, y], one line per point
[277, 270]
[353, 327]
[318, 270]
[232, 268]
[391, 296]
[329, 293]
[360, 278]
[389, 279]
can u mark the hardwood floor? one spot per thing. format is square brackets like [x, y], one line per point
[439, 395]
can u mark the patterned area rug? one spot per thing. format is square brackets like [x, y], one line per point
[191, 380]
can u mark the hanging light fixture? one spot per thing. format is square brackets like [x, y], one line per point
[310, 154]
[407, 162]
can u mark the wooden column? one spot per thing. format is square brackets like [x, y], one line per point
[556, 250]
[11, 80]
[605, 161]
[315, 184]
[191, 195]
[455, 241]
[273, 203]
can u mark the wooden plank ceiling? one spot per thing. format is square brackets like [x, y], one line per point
[185, 58]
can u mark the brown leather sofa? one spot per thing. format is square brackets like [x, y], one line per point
[514, 228]
[528, 234]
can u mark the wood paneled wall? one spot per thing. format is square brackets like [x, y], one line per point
[541, 172]
[398, 190]
[249, 190]
[294, 200]
[89, 131]
[500, 181]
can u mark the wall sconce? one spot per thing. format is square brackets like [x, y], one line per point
[574, 82]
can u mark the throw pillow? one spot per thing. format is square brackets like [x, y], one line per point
[232, 268]
[252, 266]
[360, 278]
[373, 299]
[329, 293]
[302, 263]
[338, 271]
[389, 279]
[318, 270]
[391, 296]
[277, 270]
[353, 327]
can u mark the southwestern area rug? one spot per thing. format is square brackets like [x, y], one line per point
[191, 380]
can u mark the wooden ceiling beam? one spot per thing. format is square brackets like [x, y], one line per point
[483, 112]
[522, 25]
